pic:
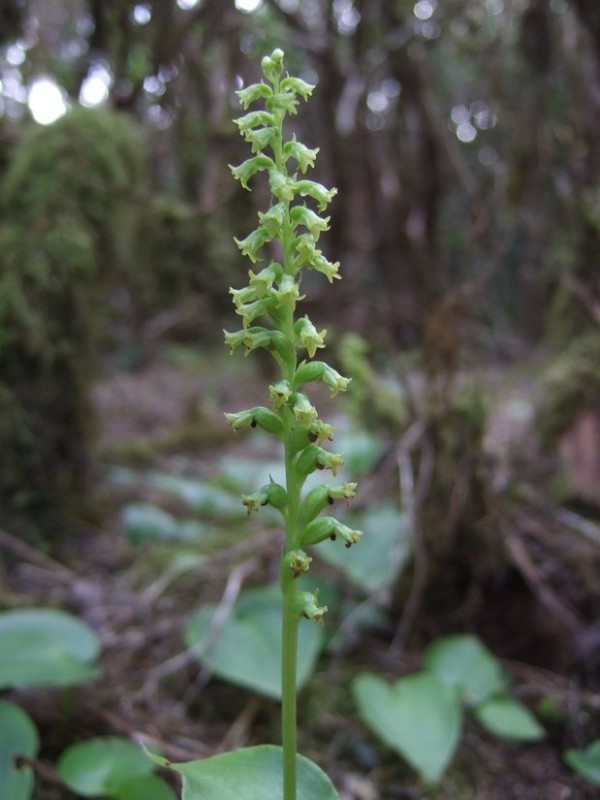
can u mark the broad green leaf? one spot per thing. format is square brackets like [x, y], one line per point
[145, 523]
[509, 719]
[418, 717]
[18, 736]
[198, 495]
[586, 762]
[361, 450]
[246, 649]
[254, 773]
[98, 766]
[464, 663]
[45, 647]
[142, 787]
[381, 553]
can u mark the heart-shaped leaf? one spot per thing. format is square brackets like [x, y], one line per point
[509, 719]
[142, 787]
[464, 663]
[45, 647]
[586, 762]
[418, 716]
[254, 773]
[18, 736]
[97, 767]
[246, 649]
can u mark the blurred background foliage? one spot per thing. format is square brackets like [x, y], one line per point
[462, 136]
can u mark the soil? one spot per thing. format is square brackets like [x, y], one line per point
[150, 685]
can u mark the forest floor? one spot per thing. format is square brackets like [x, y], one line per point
[165, 446]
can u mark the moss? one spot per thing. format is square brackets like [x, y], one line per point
[570, 385]
[70, 203]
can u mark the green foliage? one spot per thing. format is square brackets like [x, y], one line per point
[112, 768]
[586, 762]
[420, 716]
[570, 385]
[45, 647]
[246, 648]
[71, 203]
[254, 773]
[18, 737]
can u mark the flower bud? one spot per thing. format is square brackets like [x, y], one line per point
[307, 607]
[307, 372]
[272, 66]
[276, 495]
[271, 493]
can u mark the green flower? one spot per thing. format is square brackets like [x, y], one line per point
[314, 224]
[303, 155]
[254, 119]
[303, 88]
[262, 282]
[253, 243]
[304, 412]
[247, 169]
[280, 393]
[250, 94]
[307, 607]
[317, 191]
[308, 337]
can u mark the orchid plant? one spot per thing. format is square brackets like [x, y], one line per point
[285, 241]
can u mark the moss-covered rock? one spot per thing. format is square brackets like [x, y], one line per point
[71, 203]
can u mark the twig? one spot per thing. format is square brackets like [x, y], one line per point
[29, 553]
[412, 498]
[545, 595]
[177, 662]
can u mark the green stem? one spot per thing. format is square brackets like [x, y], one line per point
[290, 619]
[288, 697]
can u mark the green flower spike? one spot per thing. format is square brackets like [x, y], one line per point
[291, 225]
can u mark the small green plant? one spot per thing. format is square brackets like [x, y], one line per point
[421, 715]
[39, 647]
[585, 762]
[289, 230]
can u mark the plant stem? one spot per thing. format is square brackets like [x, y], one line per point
[288, 692]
